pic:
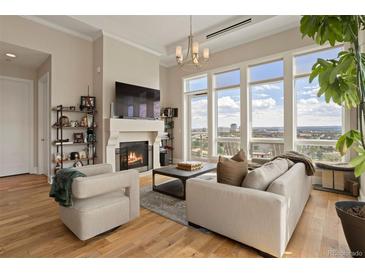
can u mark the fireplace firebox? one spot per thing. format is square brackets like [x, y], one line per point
[135, 155]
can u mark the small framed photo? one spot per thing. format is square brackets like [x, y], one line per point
[78, 137]
[88, 102]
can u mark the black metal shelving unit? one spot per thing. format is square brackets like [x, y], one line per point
[59, 136]
[168, 114]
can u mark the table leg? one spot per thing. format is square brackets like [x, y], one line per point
[184, 189]
[153, 180]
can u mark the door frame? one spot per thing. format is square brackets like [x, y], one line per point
[31, 162]
[44, 110]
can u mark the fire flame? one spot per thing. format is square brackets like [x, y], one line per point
[133, 158]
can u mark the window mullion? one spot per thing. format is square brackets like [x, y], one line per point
[289, 109]
[211, 117]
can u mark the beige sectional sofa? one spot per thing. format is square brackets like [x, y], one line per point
[264, 220]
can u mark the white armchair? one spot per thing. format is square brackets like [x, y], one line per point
[101, 201]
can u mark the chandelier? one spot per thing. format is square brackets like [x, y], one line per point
[192, 59]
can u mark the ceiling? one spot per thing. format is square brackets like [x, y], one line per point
[26, 58]
[159, 34]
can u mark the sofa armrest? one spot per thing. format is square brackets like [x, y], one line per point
[256, 218]
[92, 170]
[86, 187]
[295, 186]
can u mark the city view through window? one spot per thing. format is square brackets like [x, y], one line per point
[316, 120]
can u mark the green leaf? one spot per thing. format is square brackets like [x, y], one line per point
[360, 168]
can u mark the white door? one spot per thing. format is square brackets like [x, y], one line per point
[16, 122]
[43, 125]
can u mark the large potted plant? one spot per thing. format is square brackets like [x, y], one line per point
[342, 80]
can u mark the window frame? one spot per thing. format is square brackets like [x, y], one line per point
[344, 112]
[253, 140]
[188, 96]
[215, 90]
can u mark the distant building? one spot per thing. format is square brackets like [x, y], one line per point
[233, 128]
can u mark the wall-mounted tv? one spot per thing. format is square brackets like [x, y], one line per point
[136, 102]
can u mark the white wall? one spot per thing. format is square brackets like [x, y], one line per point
[124, 63]
[72, 57]
[281, 42]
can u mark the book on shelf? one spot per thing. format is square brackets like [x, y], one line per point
[64, 143]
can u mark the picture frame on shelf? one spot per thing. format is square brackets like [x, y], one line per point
[87, 103]
[78, 137]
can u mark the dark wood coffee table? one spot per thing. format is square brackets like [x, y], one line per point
[177, 187]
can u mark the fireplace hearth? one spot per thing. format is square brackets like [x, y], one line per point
[134, 155]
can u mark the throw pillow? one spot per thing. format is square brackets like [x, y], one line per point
[261, 177]
[232, 171]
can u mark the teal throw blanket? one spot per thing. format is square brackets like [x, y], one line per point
[61, 189]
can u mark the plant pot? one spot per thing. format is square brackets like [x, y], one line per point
[362, 188]
[353, 227]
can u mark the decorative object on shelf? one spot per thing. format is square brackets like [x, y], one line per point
[74, 123]
[64, 121]
[78, 163]
[65, 156]
[82, 154]
[169, 112]
[91, 136]
[89, 119]
[88, 102]
[83, 123]
[57, 157]
[79, 137]
[192, 60]
[74, 155]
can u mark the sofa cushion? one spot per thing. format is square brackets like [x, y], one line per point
[261, 177]
[232, 171]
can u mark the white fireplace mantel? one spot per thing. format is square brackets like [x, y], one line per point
[122, 130]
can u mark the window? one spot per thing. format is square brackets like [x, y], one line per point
[199, 126]
[217, 101]
[266, 108]
[196, 84]
[318, 124]
[227, 89]
[267, 71]
[196, 90]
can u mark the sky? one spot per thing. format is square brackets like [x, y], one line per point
[267, 99]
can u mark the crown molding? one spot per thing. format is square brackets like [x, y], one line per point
[57, 27]
[130, 43]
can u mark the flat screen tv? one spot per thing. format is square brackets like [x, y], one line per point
[135, 102]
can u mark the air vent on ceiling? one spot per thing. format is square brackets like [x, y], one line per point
[229, 28]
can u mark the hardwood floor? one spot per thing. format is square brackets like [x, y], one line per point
[30, 227]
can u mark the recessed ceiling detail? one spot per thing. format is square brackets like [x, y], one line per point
[160, 34]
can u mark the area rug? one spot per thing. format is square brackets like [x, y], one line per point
[166, 206]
